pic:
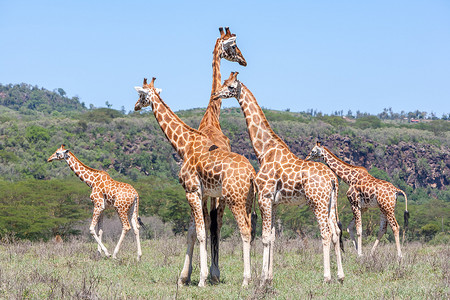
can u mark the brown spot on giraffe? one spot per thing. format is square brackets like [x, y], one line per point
[105, 192]
[284, 178]
[365, 191]
[205, 174]
[225, 47]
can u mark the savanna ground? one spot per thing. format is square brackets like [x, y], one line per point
[74, 270]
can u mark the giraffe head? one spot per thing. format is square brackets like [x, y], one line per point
[60, 154]
[230, 88]
[147, 94]
[228, 48]
[316, 152]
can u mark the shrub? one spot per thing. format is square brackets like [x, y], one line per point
[429, 230]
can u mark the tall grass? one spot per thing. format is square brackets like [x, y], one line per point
[74, 270]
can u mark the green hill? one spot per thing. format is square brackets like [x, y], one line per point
[415, 157]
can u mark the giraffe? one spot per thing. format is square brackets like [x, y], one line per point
[105, 192]
[225, 47]
[207, 171]
[365, 191]
[284, 178]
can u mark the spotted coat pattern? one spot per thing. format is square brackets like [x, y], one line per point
[207, 171]
[105, 192]
[284, 178]
[225, 47]
[365, 191]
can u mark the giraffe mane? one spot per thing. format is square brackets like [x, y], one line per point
[264, 120]
[178, 118]
[343, 162]
[85, 166]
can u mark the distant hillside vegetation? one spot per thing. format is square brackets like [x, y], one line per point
[23, 97]
[40, 199]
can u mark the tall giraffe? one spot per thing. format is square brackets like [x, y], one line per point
[105, 192]
[284, 178]
[207, 171]
[225, 47]
[365, 191]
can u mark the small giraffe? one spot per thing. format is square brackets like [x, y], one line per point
[284, 178]
[225, 47]
[207, 172]
[105, 192]
[365, 191]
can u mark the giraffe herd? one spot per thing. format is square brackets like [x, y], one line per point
[210, 171]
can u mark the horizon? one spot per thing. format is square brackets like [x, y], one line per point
[323, 56]
[310, 111]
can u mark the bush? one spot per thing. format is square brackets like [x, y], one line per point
[429, 231]
[442, 238]
[368, 122]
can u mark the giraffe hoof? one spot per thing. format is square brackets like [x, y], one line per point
[201, 283]
[341, 279]
[215, 279]
[245, 282]
[327, 280]
[265, 282]
[182, 281]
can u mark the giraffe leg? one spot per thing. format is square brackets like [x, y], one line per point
[351, 231]
[100, 232]
[216, 214]
[396, 230]
[336, 243]
[135, 225]
[381, 232]
[98, 209]
[195, 201]
[196, 204]
[358, 221]
[243, 219]
[185, 275]
[265, 206]
[272, 244]
[325, 232]
[123, 215]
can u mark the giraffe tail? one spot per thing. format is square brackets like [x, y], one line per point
[136, 209]
[254, 217]
[339, 224]
[406, 213]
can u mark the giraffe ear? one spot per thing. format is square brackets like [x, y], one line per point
[158, 90]
[139, 89]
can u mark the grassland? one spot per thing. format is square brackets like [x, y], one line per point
[73, 270]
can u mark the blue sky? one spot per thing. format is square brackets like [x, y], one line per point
[324, 55]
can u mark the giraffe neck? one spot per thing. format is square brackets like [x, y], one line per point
[177, 132]
[261, 134]
[212, 114]
[86, 174]
[341, 168]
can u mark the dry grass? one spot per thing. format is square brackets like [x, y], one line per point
[73, 270]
